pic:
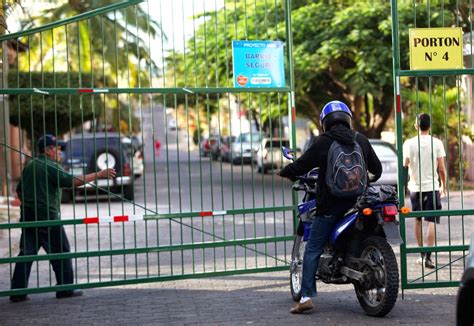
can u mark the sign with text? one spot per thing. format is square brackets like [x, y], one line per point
[436, 48]
[258, 63]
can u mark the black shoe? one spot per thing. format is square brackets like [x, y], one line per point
[19, 298]
[429, 264]
[68, 294]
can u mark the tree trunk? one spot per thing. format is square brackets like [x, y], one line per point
[5, 157]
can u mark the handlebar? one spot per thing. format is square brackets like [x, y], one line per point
[298, 187]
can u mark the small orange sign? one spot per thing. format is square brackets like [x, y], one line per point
[242, 80]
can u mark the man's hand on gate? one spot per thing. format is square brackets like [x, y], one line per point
[107, 174]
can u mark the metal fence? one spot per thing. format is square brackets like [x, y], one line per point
[147, 87]
[446, 96]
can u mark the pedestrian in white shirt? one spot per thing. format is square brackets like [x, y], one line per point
[424, 156]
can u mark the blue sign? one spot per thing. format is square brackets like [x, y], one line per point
[258, 64]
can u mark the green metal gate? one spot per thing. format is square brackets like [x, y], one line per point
[192, 198]
[446, 96]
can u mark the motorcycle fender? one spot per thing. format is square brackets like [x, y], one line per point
[392, 233]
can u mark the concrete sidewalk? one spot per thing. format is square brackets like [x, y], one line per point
[257, 299]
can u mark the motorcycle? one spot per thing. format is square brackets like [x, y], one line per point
[358, 250]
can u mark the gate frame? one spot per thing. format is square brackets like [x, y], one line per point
[173, 90]
[404, 250]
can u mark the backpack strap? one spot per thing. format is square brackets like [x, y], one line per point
[355, 138]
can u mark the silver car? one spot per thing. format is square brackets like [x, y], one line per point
[243, 147]
[388, 157]
[269, 156]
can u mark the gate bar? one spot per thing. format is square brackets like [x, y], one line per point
[74, 19]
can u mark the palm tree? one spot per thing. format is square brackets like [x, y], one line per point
[103, 51]
[114, 46]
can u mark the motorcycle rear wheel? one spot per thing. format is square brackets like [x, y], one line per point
[296, 267]
[379, 299]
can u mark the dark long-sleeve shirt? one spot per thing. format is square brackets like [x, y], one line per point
[40, 188]
[317, 156]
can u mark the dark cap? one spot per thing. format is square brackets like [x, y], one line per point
[49, 140]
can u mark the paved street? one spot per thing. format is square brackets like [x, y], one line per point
[178, 180]
[258, 299]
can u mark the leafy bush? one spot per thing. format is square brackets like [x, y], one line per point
[57, 114]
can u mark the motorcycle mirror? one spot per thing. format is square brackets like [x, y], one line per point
[287, 153]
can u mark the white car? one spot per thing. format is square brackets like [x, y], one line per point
[243, 147]
[172, 125]
[269, 156]
[137, 151]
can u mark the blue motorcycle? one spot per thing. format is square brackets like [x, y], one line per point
[358, 251]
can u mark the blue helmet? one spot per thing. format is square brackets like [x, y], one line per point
[335, 112]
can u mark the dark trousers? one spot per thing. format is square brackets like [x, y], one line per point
[53, 240]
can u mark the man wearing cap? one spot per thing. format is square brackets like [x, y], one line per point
[40, 193]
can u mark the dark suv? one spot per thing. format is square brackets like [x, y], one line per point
[89, 153]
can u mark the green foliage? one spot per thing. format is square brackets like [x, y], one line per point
[448, 122]
[56, 114]
[342, 50]
[441, 103]
[206, 60]
[346, 55]
[113, 45]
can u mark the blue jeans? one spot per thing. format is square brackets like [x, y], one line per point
[320, 231]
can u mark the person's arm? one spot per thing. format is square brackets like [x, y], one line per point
[19, 190]
[442, 175]
[309, 160]
[63, 179]
[440, 156]
[406, 162]
[104, 174]
[405, 171]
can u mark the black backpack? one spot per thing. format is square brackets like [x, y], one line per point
[346, 174]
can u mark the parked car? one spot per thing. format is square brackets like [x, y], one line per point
[465, 301]
[89, 153]
[225, 148]
[206, 144]
[172, 125]
[268, 156]
[242, 148]
[388, 157]
[138, 164]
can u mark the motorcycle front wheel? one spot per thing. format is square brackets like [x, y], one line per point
[296, 267]
[378, 295]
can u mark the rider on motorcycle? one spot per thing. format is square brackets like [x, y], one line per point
[336, 121]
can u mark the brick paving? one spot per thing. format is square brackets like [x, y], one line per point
[257, 299]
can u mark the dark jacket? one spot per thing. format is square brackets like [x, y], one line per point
[317, 155]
